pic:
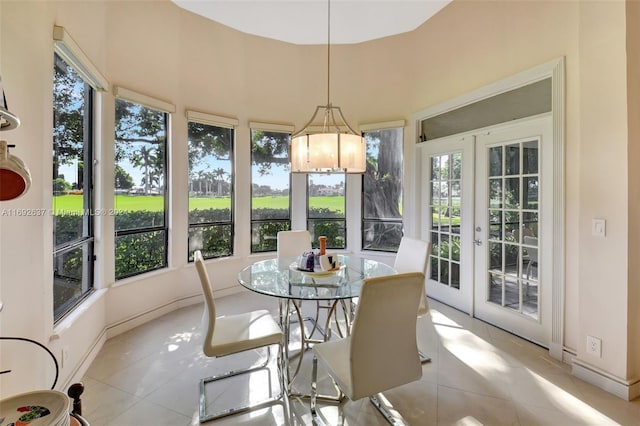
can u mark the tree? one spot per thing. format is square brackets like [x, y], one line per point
[147, 158]
[60, 186]
[383, 183]
[206, 140]
[141, 139]
[123, 179]
[268, 148]
[68, 106]
[219, 174]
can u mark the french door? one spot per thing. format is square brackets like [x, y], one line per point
[488, 212]
[447, 185]
[513, 227]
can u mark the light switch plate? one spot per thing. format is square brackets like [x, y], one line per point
[598, 227]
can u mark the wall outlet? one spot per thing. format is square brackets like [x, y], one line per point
[594, 346]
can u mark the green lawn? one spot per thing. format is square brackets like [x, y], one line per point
[73, 203]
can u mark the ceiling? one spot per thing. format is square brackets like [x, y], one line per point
[305, 21]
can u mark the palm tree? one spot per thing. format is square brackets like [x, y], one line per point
[146, 157]
[219, 173]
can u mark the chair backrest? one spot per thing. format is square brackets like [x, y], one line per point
[413, 256]
[293, 243]
[209, 314]
[384, 350]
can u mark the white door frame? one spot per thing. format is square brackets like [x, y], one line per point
[554, 70]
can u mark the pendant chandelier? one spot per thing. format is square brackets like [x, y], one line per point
[337, 148]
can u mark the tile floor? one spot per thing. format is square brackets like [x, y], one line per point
[480, 375]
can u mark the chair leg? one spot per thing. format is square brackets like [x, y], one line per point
[315, 419]
[204, 417]
[424, 358]
[386, 410]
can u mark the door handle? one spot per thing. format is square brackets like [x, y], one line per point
[477, 242]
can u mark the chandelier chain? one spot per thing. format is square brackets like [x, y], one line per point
[328, 52]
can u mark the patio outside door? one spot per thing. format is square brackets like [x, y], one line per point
[487, 212]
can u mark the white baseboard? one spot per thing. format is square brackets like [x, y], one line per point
[625, 389]
[127, 324]
[151, 314]
[85, 362]
[158, 311]
[568, 356]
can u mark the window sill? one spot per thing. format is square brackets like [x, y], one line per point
[141, 277]
[67, 322]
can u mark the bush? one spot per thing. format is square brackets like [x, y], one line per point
[144, 251]
[60, 186]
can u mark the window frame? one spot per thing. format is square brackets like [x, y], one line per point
[68, 51]
[311, 222]
[166, 109]
[372, 128]
[270, 128]
[226, 123]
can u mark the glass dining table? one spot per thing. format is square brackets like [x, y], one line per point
[281, 278]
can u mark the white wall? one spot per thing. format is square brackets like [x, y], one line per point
[165, 52]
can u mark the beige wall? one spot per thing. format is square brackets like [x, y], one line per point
[159, 50]
[603, 279]
[633, 159]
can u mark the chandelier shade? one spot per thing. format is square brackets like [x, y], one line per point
[327, 153]
[331, 150]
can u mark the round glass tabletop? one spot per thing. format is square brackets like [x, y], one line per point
[281, 278]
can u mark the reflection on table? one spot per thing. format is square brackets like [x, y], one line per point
[281, 278]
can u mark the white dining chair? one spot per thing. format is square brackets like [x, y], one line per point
[232, 334]
[293, 243]
[413, 256]
[290, 245]
[381, 353]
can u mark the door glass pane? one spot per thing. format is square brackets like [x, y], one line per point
[495, 193]
[455, 220]
[435, 168]
[512, 159]
[513, 227]
[512, 193]
[530, 192]
[455, 248]
[455, 275]
[456, 166]
[495, 256]
[511, 293]
[530, 157]
[495, 161]
[530, 224]
[495, 288]
[444, 204]
[495, 224]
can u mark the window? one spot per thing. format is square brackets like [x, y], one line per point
[141, 231]
[210, 189]
[270, 183]
[326, 208]
[382, 190]
[73, 234]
